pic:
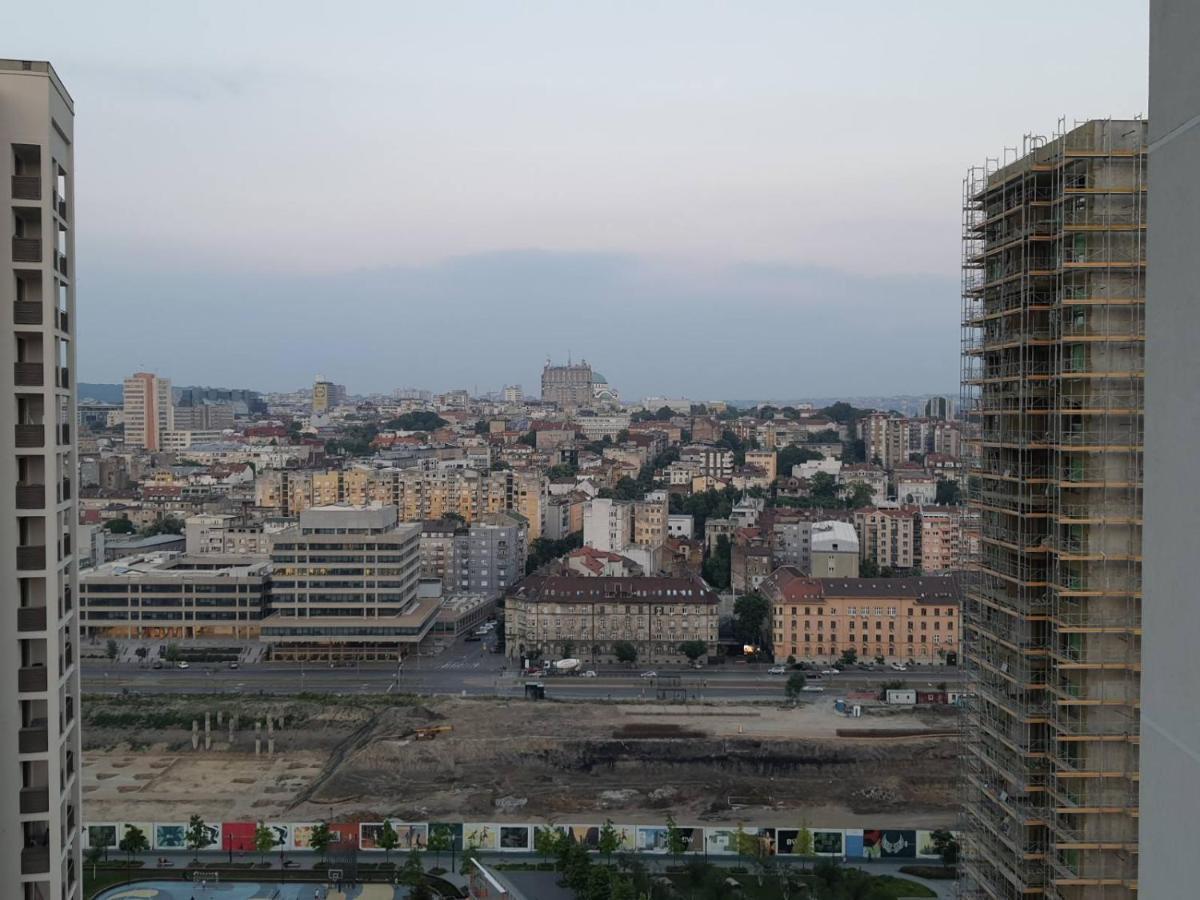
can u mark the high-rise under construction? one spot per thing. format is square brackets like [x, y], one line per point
[1053, 335]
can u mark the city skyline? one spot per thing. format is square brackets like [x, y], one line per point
[574, 161]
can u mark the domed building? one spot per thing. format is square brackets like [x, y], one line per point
[602, 391]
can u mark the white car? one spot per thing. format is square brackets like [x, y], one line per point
[777, 670]
[831, 671]
[590, 673]
[183, 664]
[900, 667]
[813, 688]
[650, 674]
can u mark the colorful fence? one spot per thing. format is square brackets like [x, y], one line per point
[848, 843]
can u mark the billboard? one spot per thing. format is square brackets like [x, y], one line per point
[410, 835]
[892, 843]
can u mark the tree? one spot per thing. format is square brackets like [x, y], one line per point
[418, 420]
[610, 840]
[133, 842]
[197, 835]
[868, 568]
[792, 456]
[750, 615]
[948, 493]
[946, 845]
[440, 840]
[111, 649]
[119, 526]
[529, 439]
[625, 652]
[171, 653]
[320, 839]
[859, 494]
[94, 854]
[693, 650]
[804, 841]
[264, 841]
[676, 841]
[388, 840]
[795, 685]
[716, 568]
[545, 841]
[413, 870]
[468, 858]
[849, 656]
[568, 649]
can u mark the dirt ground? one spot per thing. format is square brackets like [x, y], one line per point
[513, 761]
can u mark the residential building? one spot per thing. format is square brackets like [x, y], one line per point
[148, 409]
[436, 550]
[210, 417]
[650, 516]
[567, 387]
[345, 586]
[41, 758]
[326, 396]
[680, 525]
[887, 439]
[874, 477]
[905, 620]
[887, 536]
[565, 615]
[489, 555]
[767, 460]
[1170, 730]
[608, 525]
[513, 395]
[175, 596]
[940, 544]
[588, 562]
[224, 533]
[596, 428]
[713, 462]
[915, 487]
[749, 563]
[834, 550]
[1053, 304]
[791, 544]
[939, 408]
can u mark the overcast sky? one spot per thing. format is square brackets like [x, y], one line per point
[731, 199]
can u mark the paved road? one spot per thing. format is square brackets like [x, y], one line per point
[470, 669]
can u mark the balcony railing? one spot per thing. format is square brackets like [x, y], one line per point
[32, 556]
[35, 800]
[31, 496]
[30, 436]
[60, 262]
[31, 679]
[27, 250]
[27, 374]
[27, 187]
[31, 618]
[35, 860]
[34, 739]
[63, 320]
[26, 313]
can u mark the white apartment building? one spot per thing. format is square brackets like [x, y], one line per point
[608, 525]
[40, 803]
[149, 410]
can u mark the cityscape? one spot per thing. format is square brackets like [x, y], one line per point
[285, 628]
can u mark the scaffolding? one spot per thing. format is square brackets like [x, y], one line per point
[1052, 384]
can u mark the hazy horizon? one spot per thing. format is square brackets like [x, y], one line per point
[702, 199]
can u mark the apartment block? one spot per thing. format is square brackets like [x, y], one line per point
[40, 756]
[149, 410]
[1053, 335]
[489, 555]
[940, 541]
[608, 525]
[650, 516]
[887, 536]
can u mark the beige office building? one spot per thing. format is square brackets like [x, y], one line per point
[40, 756]
[149, 412]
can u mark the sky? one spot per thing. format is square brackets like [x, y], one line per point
[757, 198]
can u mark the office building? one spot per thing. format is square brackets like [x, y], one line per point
[149, 410]
[326, 396]
[1053, 300]
[1170, 784]
[345, 586]
[210, 417]
[489, 555]
[40, 804]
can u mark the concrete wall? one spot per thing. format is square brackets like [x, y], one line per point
[1171, 617]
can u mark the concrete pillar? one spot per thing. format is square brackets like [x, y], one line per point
[208, 731]
[257, 738]
[195, 734]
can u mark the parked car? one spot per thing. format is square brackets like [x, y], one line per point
[183, 664]
[696, 664]
[777, 670]
[590, 673]
[831, 671]
[233, 665]
[650, 674]
[157, 664]
[813, 687]
[900, 667]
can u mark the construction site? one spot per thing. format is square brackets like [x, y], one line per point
[363, 758]
[1053, 371]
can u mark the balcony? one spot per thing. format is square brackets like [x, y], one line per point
[31, 679]
[34, 739]
[31, 496]
[26, 250]
[35, 800]
[27, 374]
[27, 187]
[30, 436]
[64, 434]
[63, 320]
[31, 618]
[32, 556]
[64, 378]
[25, 313]
[60, 262]
[35, 860]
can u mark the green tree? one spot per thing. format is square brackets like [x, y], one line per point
[545, 841]
[868, 568]
[664, 413]
[794, 685]
[119, 526]
[171, 653]
[413, 870]
[568, 649]
[625, 652]
[793, 455]
[197, 834]
[264, 841]
[418, 420]
[468, 858]
[849, 656]
[132, 843]
[948, 493]
[693, 650]
[717, 567]
[609, 841]
[93, 856]
[320, 839]
[946, 845]
[858, 495]
[111, 649]
[529, 439]
[676, 840]
[804, 841]
[441, 840]
[750, 615]
[388, 840]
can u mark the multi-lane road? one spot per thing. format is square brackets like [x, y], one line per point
[469, 669]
